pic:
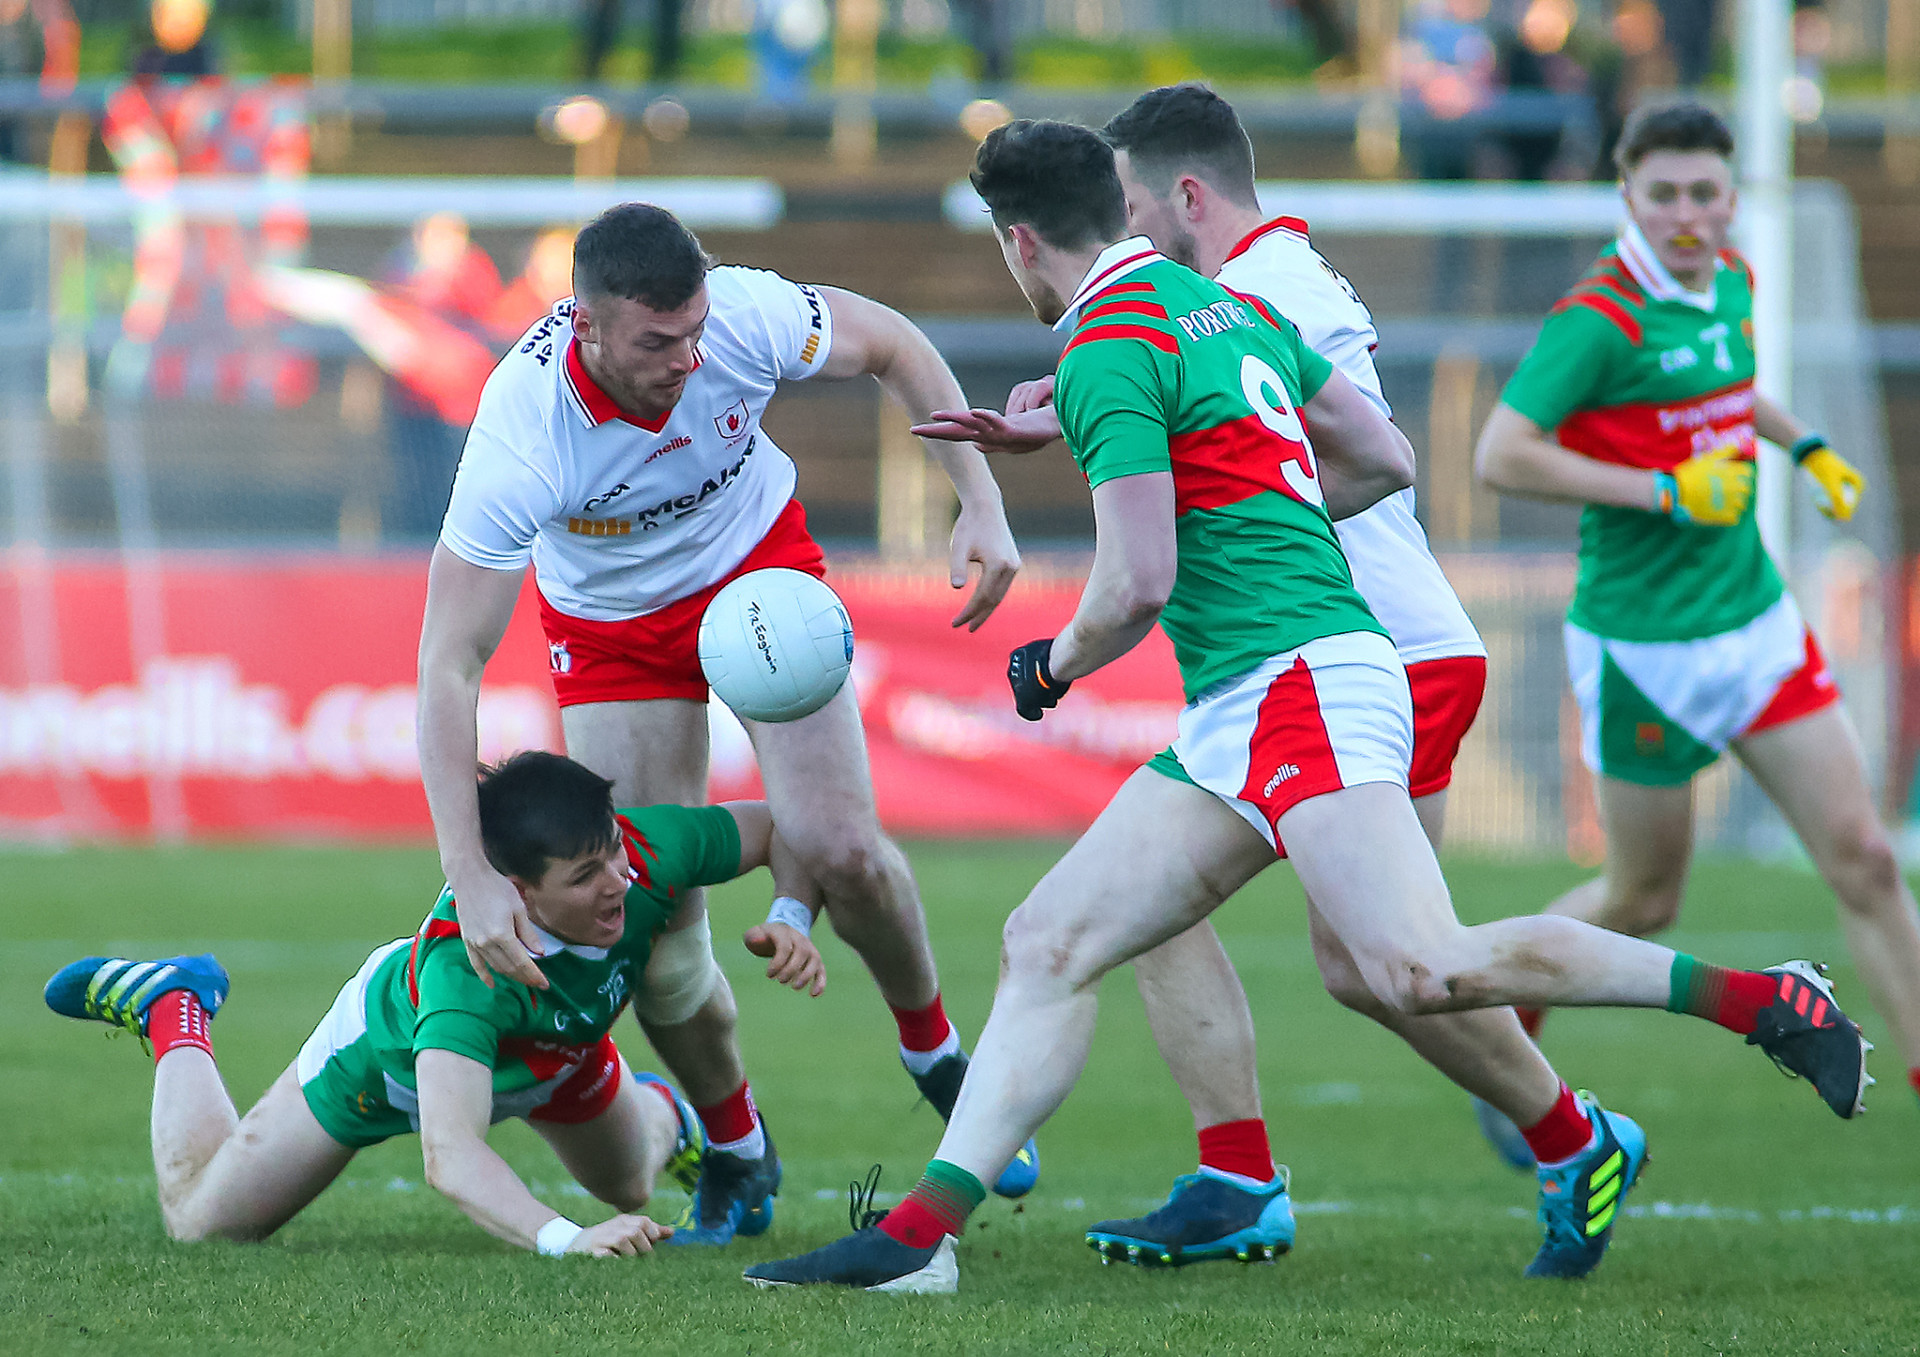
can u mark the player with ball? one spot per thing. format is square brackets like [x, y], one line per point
[618, 451]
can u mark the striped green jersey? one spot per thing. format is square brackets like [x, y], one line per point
[425, 996]
[1167, 371]
[1630, 369]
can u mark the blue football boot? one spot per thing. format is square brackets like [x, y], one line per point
[941, 1087]
[1503, 1136]
[120, 992]
[690, 1145]
[1581, 1199]
[1204, 1217]
[733, 1196]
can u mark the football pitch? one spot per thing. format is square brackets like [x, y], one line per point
[1762, 1225]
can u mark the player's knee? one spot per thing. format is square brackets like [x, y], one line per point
[1409, 983]
[1645, 908]
[1865, 871]
[1034, 947]
[1346, 984]
[850, 865]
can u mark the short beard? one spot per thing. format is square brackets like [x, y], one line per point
[1048, 305]
[1184, 249]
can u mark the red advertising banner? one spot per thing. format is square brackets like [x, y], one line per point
[217, 695]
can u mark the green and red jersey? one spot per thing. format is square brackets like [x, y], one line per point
[1632, 369]
[425, 996]
[1166, 371]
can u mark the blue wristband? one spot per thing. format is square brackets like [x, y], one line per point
[1806, 447]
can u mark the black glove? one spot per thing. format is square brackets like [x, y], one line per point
[1035, 689]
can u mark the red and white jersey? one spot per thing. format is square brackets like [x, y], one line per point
[1392, 565]
[622, 517]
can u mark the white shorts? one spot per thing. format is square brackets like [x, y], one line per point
[1335, 713]
[1657, 712]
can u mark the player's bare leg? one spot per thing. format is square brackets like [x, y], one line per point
[817, 782]
[1197, 1010]
[618, 1155]
[1813, 770]
[223, 1177]
[1649, 835]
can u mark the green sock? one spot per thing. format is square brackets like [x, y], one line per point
[939, 1205]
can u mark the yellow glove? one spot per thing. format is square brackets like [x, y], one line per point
[1839, 486]
[1713, 488]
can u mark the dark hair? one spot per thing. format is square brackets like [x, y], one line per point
[537, 808]
[1181, 128]
[1684, 126]
[1055, 177]
[640, 252]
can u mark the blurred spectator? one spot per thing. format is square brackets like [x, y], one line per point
[987, 27]
[180, 45]
[37, 38]
[1537, 74]
[1447, 66]
[603, 31]
[1625, 70]
[441, 271]
[787, 37]
[547, 278]
[1689, 28]
[1332, 42]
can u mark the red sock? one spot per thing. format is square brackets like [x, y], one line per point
[176, 1019]
[1562, 1133]
[922, 1029]
[1913, 1077]
[1238, 1147]
[733, 1118]
[1728, 997]
[1530, 1018]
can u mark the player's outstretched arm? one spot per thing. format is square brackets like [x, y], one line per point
[785, 940]
[1363, 457]
[456, 1101]
[468, 608]
[1134, 561]
[877, 340]
[1516, 457]
[1838, 484]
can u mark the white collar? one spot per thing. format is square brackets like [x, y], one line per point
[1653, 276]
[1110, 265]
[549, 945]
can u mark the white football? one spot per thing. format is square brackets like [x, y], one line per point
[776, 645]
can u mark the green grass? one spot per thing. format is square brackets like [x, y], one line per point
[1412, 1237]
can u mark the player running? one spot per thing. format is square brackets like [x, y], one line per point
[1185, 409]
[618, 448]
[1187, 167]
[1637, 401]
[416, 1043]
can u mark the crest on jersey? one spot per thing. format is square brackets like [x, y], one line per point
[732, 421]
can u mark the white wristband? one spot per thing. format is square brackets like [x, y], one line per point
[556, 1237]
[791, 912]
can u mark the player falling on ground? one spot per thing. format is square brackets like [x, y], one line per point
[618, 449]
[1186, 165]
[1184, 406]
[416, 1043]
[1637, 401]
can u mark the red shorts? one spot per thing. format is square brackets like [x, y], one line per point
[657, 654]
[589, 1091]
[1446, 698]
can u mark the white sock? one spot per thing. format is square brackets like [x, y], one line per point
[919, 1062]
[753, 1145]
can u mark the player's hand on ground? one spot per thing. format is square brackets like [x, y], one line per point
[621, 1237]
[1838, 485]
[1713, 488]
[792, 959]
[1035, 690]
[495, 928]
[991, 431]
[981, 537]
[1033, 395]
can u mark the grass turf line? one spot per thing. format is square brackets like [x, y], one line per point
[1412, 1241]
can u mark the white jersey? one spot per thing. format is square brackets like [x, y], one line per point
[1393, 567]
[621, 517]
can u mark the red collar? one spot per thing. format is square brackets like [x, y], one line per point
[1293, 224]
[596, 404]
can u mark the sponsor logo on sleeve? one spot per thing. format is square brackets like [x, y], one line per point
[816, 323]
